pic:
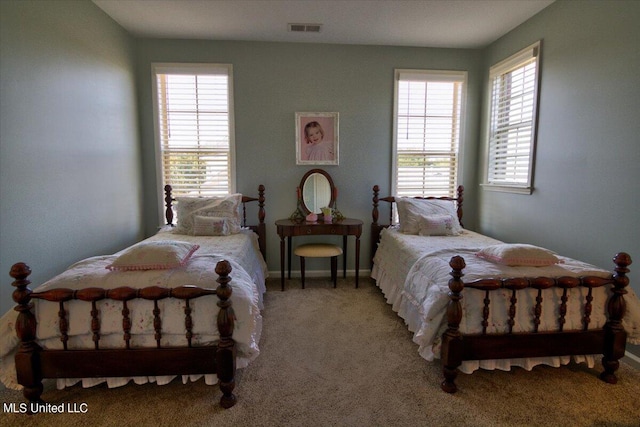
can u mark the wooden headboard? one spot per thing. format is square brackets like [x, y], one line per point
[376, 228]
[260, 228]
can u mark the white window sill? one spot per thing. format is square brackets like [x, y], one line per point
[507, 188]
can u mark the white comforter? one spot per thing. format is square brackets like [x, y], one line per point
[413, 273]
[248, 283]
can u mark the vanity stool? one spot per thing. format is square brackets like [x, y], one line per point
[319, 250]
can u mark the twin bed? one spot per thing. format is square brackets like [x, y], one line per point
[476, 302]
[150, 312]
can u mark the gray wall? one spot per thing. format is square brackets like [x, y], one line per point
[70, 183]
[273, 81]
[72, 175]
[586, 199]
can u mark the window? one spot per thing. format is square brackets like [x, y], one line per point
[428, 116]
[512, 122]
[194, 128]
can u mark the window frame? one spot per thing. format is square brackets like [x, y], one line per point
[519, 60]
[430, 76]
[191, 69]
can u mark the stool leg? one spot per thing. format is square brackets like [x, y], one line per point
[302, 270]
[334, 270]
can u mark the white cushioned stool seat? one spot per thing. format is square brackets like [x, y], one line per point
[319, 250]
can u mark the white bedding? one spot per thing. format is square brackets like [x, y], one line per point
[248, 283]
[413, 274]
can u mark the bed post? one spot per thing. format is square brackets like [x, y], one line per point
[226, 352]
[168, 199]
[374, 213]
[375, 228]
[262, 230]
[460, 199]
[451, 352]
[28, 356]
[615, 336]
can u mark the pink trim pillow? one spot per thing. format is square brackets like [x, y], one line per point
[519, 254]
[436, 225]
[211, 226]
[154, 255]
[218, 206]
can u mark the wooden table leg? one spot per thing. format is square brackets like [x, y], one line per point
[282, 263]
[357, 260]
[344, 256]
[289, 239]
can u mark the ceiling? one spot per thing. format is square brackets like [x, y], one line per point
[426, 23]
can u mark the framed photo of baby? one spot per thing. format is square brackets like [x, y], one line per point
[317, 138]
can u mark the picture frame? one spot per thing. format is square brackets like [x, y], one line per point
[317, 138]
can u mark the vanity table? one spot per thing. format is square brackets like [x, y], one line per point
[315, 192]
[347, 227]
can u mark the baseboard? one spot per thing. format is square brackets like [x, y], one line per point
[320, 273]
[631, 359]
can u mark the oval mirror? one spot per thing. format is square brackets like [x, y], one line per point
[317, 191]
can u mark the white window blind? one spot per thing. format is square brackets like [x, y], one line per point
[512, 128]
[428, 115]
[195, 128]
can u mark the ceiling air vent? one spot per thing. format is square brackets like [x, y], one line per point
[305, 28]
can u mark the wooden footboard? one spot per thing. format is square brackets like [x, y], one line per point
[609, 341]
[33, 363]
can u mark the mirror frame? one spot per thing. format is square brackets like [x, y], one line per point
[303, 180]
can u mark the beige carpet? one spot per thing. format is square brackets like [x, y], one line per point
[341, 357]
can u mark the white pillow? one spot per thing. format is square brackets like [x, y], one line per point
[436, 225]
[154, 255]
[211, 226]
[221, 206]
[410, 210]
[519, 254]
